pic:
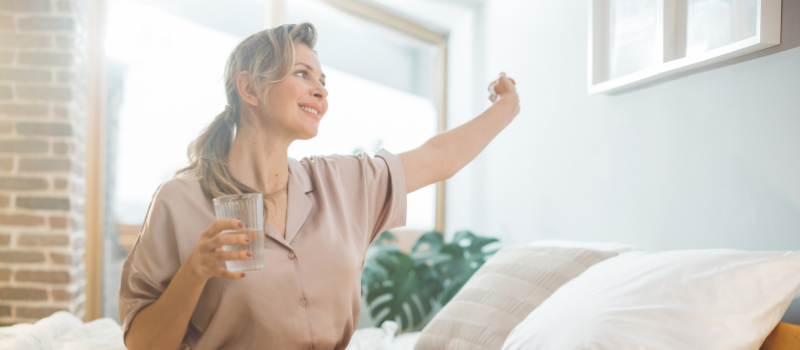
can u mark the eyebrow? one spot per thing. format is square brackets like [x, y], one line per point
[309, 67]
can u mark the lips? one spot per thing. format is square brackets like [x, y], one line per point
[310, 114]
[311, 106]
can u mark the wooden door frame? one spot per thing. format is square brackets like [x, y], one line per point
[95, 159]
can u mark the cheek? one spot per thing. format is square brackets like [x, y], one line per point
[285, 94]
[298, 90]
[276, 100]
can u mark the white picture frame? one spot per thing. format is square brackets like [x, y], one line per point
[672, 25]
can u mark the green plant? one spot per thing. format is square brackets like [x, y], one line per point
[408, 288]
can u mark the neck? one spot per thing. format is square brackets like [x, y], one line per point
[259, 159]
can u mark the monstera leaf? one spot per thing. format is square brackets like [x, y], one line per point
[396, 288]
[405, 288]
[374, 273]
[427, 247]
[466, 255]
[427, 251]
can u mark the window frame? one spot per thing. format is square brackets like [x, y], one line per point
[95, 157]
[673, 41]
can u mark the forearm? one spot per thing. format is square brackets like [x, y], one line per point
[162, 325]
[452, 150]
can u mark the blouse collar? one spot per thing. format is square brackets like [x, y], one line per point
[300, 176]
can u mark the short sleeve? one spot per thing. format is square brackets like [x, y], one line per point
[152, 262]
[387, 187]
[367, 190]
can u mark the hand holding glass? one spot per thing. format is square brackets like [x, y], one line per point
[249, 209]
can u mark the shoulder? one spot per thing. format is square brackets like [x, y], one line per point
[337, 167]
[178, 212]
[361, 161]
[332, 161]
[181, 189]
[358, 168]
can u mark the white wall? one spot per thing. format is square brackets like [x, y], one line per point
[707, 159]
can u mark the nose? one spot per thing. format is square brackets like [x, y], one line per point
[319, 91]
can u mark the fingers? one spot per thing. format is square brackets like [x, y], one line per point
[216, 242]
[227, 239]
[221, 225]
[208, 252]
[224, 273]
[504, 86]
[503, 76]
[232, 255]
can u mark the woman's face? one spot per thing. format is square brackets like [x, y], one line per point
[299, 101]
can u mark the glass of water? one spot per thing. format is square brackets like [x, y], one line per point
[249, 209]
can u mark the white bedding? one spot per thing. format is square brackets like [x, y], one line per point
[383, 338]
[63, 331]
[683, 299]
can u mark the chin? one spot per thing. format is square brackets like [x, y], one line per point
[309, 133]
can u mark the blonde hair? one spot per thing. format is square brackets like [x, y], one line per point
[268, 56]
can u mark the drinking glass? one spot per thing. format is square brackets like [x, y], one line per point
[249, 209]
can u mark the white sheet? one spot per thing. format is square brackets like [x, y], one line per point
[63, 331]
[383, 338]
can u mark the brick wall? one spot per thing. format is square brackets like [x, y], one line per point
[42, 158]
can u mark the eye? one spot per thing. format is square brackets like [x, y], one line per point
[305, 75]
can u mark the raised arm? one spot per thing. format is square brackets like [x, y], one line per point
[445, 154]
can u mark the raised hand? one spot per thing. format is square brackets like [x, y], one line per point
[502, 87]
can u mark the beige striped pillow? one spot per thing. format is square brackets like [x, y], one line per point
[502, 293]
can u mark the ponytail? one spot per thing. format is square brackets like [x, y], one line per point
[269, 57]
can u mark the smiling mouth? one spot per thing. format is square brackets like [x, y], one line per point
[313, 112]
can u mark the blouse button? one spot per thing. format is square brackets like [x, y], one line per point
[291, 256]
[303, 302]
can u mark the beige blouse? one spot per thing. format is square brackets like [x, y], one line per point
[308, 294]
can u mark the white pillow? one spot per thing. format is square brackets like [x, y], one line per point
[601, 246]
[502, 293]
[693, 299]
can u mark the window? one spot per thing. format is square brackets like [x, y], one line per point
[165, 65]
[637, 41]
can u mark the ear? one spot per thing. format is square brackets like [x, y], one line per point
[246, 90]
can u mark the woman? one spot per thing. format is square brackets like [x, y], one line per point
[322, 212]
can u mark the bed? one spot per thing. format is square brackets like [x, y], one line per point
[64, 331]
